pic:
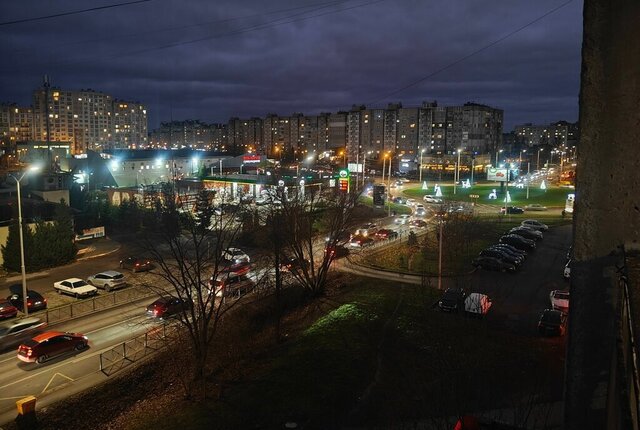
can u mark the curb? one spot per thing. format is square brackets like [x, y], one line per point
[89, 257]
[37, 275]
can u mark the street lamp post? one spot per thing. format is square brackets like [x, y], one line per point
[528, 178]
[389, 184]
[23, 271]
[441, 221]
[457, 173]
[221, 167]
[420, 167]
[538, 162]
[520, 159]
[498, 152]
[384, 165]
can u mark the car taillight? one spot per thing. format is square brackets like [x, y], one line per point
[29, 302]
[156, 311]
[137, 264]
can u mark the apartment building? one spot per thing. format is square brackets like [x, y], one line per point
[16, 123]
[129, 125]
[554, 134]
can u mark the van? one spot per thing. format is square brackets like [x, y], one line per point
[477, 304]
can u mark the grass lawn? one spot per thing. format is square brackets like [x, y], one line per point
[381, 355]
[551, 197]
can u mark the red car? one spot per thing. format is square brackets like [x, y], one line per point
[51, 344]
[7, 310]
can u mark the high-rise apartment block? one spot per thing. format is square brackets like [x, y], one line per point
[554, 134]
[192, 134]
[15, 123]
[85, 119]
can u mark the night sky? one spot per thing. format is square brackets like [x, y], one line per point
[211, 60]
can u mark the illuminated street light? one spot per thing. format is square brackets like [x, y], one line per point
[538, 162]
[420, 167]
[22, 268]
[457, 172]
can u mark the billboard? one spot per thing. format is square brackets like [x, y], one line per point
[494, 174]
[379, 194]
[355, 167]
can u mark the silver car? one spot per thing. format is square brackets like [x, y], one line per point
[15, 332]
[109, 280]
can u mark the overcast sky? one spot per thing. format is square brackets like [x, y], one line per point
[211, 60]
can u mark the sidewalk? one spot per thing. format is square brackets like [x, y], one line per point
[87, 250]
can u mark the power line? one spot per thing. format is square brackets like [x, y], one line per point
[75, 12]
[477, 51]
[200, 24]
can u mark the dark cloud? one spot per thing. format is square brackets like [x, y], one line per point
[213, 60]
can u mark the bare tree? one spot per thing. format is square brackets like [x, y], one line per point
[190, 264]
[316, 221]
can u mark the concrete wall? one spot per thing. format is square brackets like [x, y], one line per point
[607, 208]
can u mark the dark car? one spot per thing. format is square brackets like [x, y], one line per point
[7, 310]
[418, 223]
[337, 251]
[13, 333]
[511, 249]
[490, 263]
[386, 233]
[136, 264]
[51, 344]
[518, 241]
[512, 210]
[399, 200]
[527, 233]
[35, 301]
[289, 264]
[452, 300]
[501, 255]
[552, 322]
[167, 306]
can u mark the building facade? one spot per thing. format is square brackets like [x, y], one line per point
[129, 125]
[16, 123]
[555, 134]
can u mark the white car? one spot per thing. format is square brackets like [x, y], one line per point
[235, 255]
[75, 287]
[477, 304]
[420, 206]
[411, 202]
[535, 207]
[432, 199]
[402, 219]
[109, 280]
[534, 224]
[367, 230]
[559, 300]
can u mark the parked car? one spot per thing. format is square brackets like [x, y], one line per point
[419, 223]
[552, 322]
[135, 264]
[368, 229]
[360, 241]
[432, 199]
[386, 233]
[7, 310]
[535, 207]
[75, 287]
[491, 263]
[535, 224]
[235, 255]
[511, 249]
[167, 306]
[109, 280]
[35, 301]
[527, 233]
[402, 219]
[501, 255]
[559, 300]
[567, 270]
[477, 304]
[452, 300]
[518, 241]
[13, 333]
[512, 210]
[51, 344]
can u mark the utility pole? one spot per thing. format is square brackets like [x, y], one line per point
[440, 220]
[46, 103]
[528, 178]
